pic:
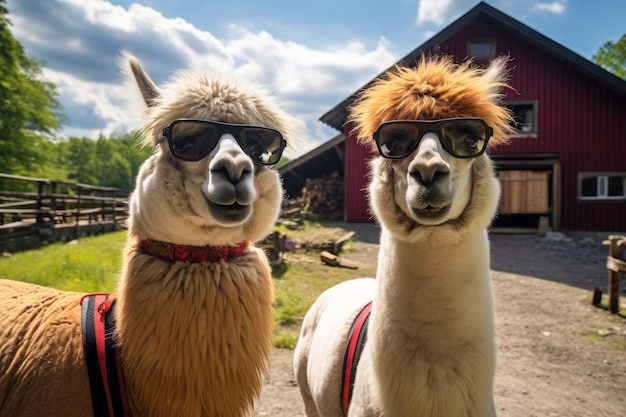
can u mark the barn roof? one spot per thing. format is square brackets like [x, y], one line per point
[337, 116]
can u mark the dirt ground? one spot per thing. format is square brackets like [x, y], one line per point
[557, 354]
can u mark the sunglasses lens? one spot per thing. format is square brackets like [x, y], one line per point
[464, 138]
[192, 141]
[264, 146]
[396, 140]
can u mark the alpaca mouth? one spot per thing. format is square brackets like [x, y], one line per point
[431, 211]
[230, 213]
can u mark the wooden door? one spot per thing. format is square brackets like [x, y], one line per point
[524, 192]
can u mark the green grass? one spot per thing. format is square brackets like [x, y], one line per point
[296, 287]
[92, 264]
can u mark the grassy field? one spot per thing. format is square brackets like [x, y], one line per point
[92, 264]
[89, 264]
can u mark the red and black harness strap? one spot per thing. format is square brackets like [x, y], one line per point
[354, 347]
[106, 380]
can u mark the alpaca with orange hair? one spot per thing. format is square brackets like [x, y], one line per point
[430, 349]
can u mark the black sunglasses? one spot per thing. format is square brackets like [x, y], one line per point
[192, 140]
[461, 137]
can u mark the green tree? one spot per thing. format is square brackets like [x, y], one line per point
[29, 108]
[110, 162]
[612, 57]
[126, 146]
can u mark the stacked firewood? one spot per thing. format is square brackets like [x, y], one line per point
[324, 197]
[292, 209]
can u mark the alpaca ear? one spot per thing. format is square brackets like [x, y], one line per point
[497, 73]
[147, 87]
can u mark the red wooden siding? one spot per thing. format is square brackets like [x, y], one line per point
[356, 180]
[580, 120]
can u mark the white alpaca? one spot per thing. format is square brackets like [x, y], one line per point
[195, 332]
[430, 350]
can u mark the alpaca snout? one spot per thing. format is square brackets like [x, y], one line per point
[429, 166]
[429, 198]
[230, 195]
[231, 160]
[231, 175]
[224, 191]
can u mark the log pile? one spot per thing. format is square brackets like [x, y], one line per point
[292, 209]
[324, 197]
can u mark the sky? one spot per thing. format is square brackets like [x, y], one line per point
[311, 55]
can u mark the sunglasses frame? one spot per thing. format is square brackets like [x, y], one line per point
[435, 126]
[234, 129]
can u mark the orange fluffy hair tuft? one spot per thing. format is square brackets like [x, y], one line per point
[436, 88]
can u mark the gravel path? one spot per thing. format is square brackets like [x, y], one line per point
[557, 354]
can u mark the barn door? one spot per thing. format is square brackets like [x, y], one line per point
[524, 192]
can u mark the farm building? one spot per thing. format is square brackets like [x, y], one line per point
[567, 161]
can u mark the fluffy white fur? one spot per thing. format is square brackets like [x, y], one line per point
[195, 337]
[431, 348]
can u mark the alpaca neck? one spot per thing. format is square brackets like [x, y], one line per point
[195, 337]
[431, 325]
[421, 280]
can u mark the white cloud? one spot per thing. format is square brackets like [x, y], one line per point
[309, 81]
[80, 42]
[434, 11]
[441, 12]
[103, 107]
[293, 68]
[556, 7]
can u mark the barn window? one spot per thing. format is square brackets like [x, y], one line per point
[610, 186]
[524, 117]
[482, 50]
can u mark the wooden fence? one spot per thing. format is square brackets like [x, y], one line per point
[37, 210]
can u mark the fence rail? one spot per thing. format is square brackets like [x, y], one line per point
[34, 210]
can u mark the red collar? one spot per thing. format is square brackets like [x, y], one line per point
[185, 253]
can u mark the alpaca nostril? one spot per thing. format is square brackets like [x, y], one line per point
[232, 176]
[417, 177]
[233, 170]
[439, 175]
[427, 177]
[244, 177]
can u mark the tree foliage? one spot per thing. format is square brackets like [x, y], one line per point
[29, 109]
[111, 162]
[30, 115]
[612, 57]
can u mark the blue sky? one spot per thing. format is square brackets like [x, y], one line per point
[310, 54]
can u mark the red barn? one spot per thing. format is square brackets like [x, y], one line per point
[567, 162]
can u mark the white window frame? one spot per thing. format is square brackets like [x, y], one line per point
[602, 187]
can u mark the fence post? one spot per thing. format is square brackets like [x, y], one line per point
[39, 206]
[78, 202]
[615, 244]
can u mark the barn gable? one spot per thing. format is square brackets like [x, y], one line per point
[567, 162]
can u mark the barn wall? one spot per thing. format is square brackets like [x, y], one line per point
[579, 119]
[356, 180]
